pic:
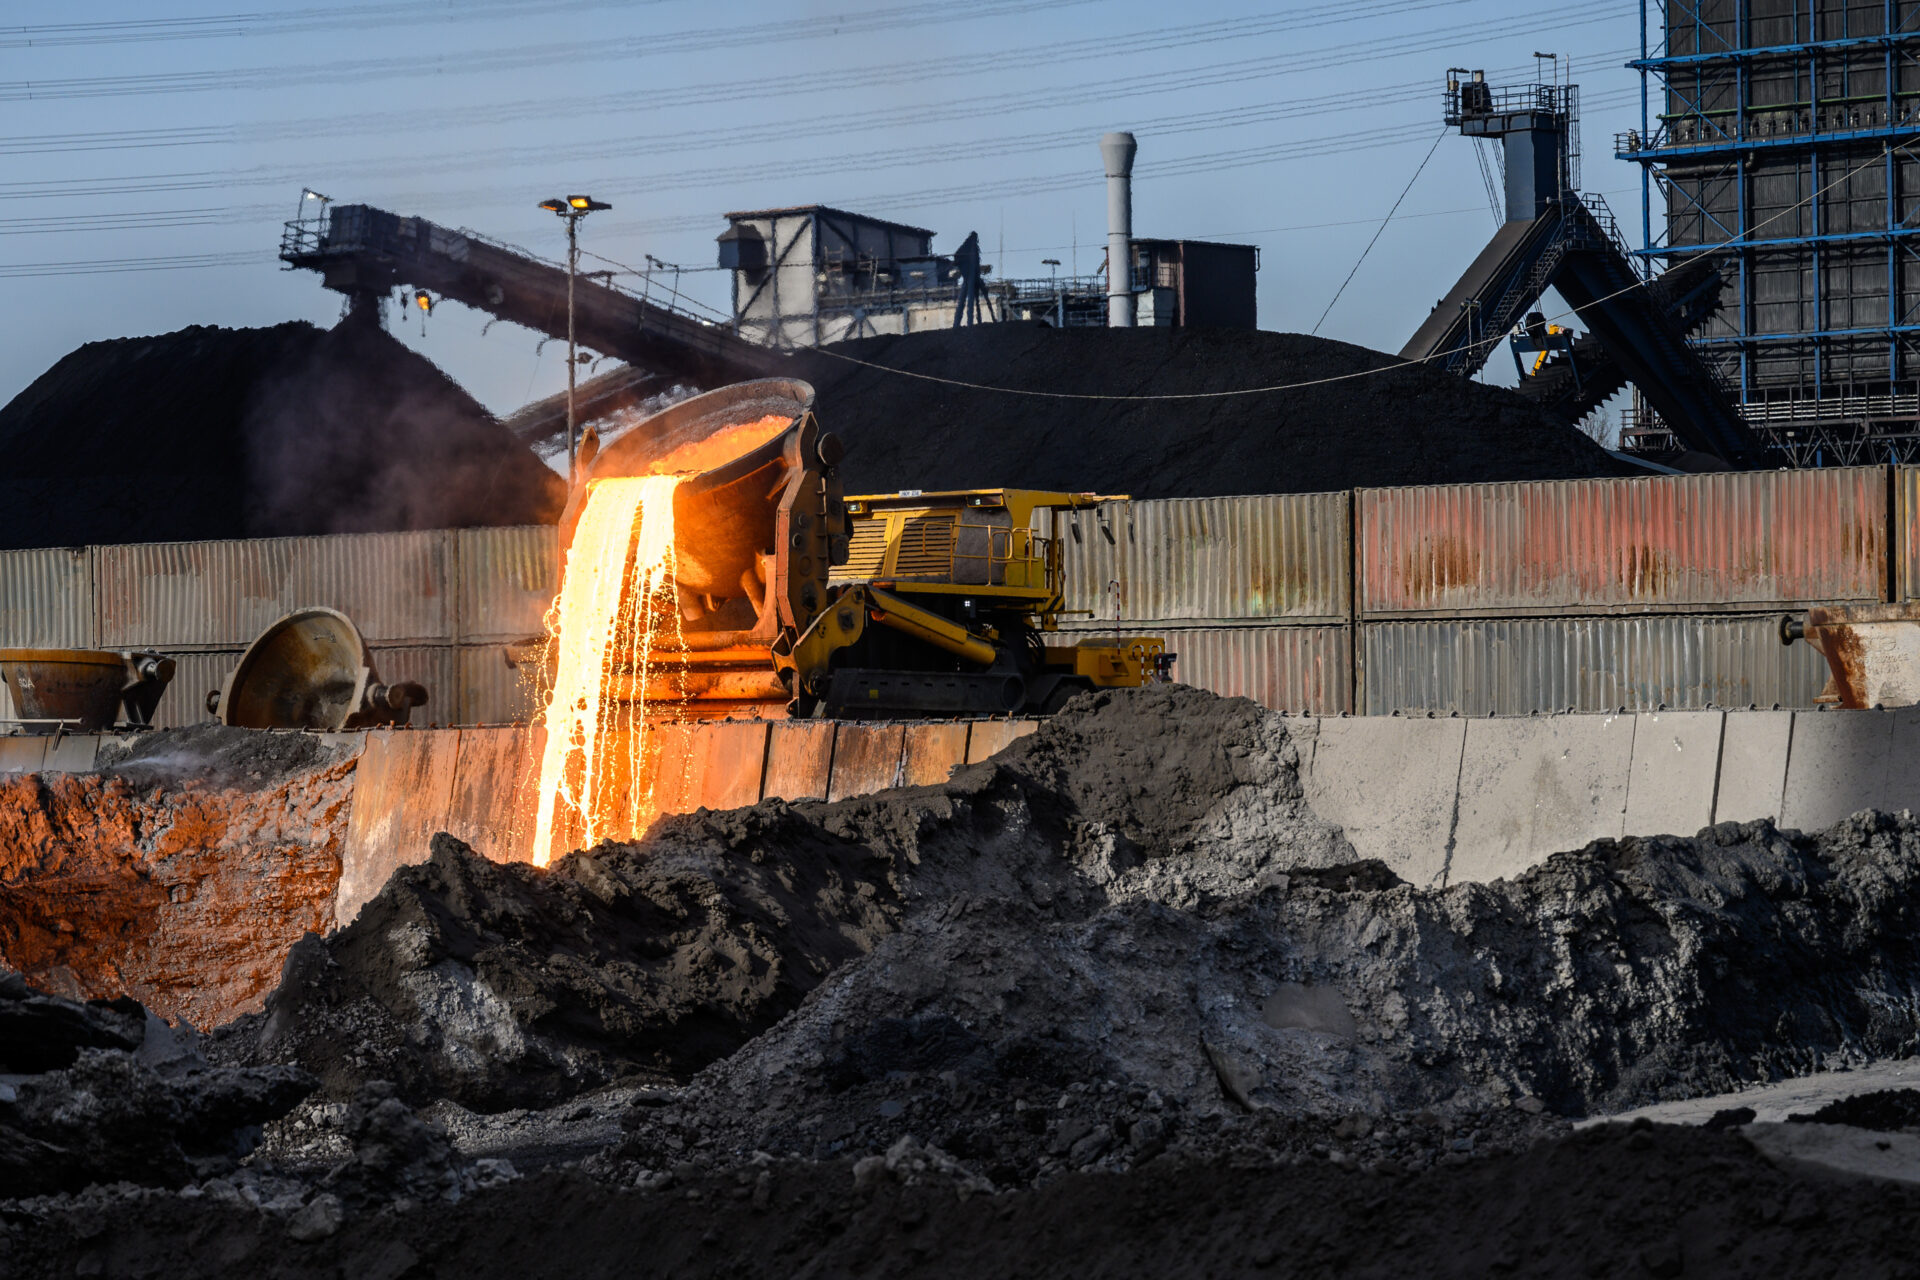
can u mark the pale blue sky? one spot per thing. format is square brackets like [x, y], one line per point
[166, 131]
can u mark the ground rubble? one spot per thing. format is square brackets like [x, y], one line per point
[105, 1091]
[1123, 954]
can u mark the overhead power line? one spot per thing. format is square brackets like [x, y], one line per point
[49, 35]
[1422, 168]
[839, 81]
[499, 61]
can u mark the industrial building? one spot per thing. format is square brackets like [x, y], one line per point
[1776, 138]
[811, 274]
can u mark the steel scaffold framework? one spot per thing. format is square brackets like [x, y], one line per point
[1766, 108]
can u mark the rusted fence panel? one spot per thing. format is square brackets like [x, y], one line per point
[1730, 541]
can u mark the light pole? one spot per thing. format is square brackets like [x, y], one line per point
[572, 208]
[1059, 301]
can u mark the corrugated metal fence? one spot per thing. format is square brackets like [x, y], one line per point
[437, 607]
[1476, 599]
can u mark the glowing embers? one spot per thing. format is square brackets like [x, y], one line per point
[616, 597]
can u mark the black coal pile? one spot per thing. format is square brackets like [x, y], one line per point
[1331, 430]
[231, 433]
[104, 1092]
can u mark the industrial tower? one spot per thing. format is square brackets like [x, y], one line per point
[1778, 136]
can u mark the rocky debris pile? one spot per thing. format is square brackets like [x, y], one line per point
[1134, 903]
[398, 1159]
[252, 433]
[180, 874]
[1883, 1110]
[1341, 424]
[1621, 974]
[104, 1092]
[499, 985]
[1114, 1000]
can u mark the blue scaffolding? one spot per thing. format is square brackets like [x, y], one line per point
[1778, 136]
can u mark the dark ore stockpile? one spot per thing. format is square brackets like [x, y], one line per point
[1405, 426]
[1113, 1002]
[246, 433]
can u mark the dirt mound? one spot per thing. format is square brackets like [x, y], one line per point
[1134, 900]
[502, 985]
[248, 433]
[1611, 1201]
[180, 876]
[1885, 1110]
[1406, 426]
[106, 1093]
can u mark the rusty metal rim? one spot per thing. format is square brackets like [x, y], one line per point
[77, 657]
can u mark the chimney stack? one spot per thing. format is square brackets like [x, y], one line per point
[1117, 150]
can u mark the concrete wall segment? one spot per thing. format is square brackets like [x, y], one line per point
[866, 758]
[988, 738]
[733, 763]
[799, 759]
[1676, 768]
[72, 753]
[1392, 785]
[23, 754]
[932, 753]
[490, 804]
[1536, 785]
[402, 795]
[1838, 764]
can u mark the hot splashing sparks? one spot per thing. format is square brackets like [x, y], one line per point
[616, 593]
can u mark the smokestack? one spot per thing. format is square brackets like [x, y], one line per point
[1117, 150]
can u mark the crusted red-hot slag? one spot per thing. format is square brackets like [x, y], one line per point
[185, 894]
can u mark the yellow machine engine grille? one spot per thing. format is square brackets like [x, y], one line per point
[926, 547]
[866, 550]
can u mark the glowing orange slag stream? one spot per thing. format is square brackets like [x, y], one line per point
[617, 591]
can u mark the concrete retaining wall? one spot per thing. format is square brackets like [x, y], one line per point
[1441, 801]
[1448, 801]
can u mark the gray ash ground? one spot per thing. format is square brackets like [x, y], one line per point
[1116, 1000]
[215, 753]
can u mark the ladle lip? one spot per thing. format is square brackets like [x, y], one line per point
[728, 406]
